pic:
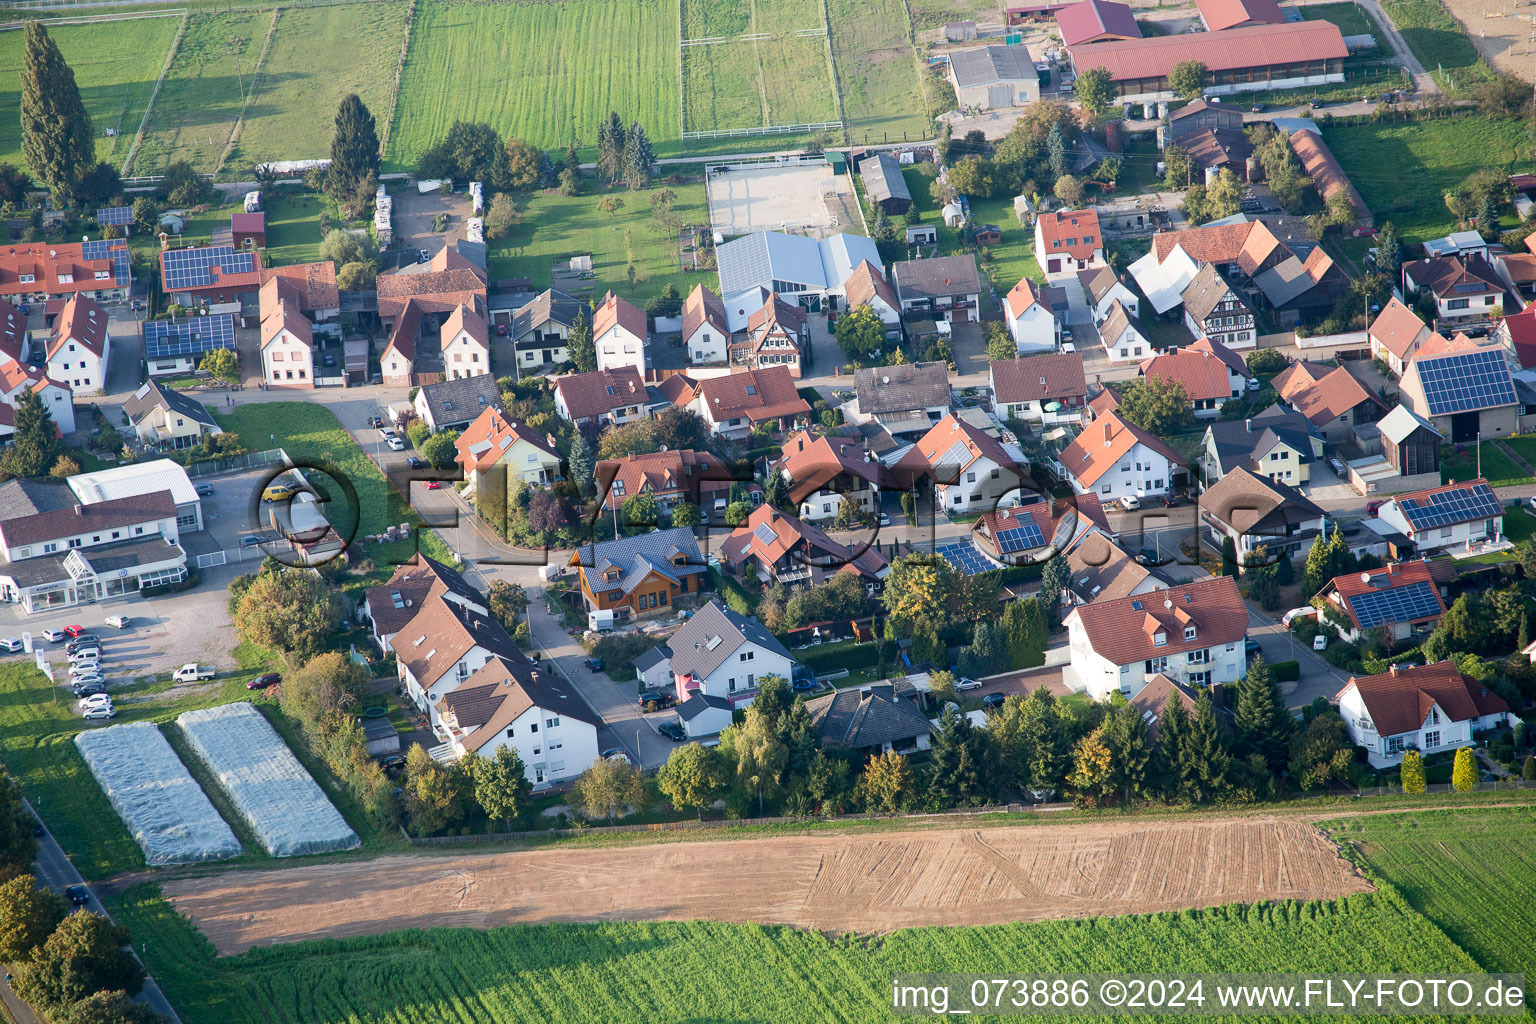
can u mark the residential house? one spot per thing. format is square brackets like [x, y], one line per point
[941, 287]
[969, 469]
[1462, 287]
[706, 331]
[15, 341]
[779, 334]
[1400, 599]
[654, 669]
[682, 475]
[811, 272]
[1396, 334]
[466, 345]
[1517, 333]
[495, 440]
[508, 702]
[1104, 286]
[287, 337]
[704, 715]
[1152, 700]
[210, 275]
[1254, 511]
[1103, 402]
[1464, 391]
[735, 403]
[1428, 708]
[1214, 309]
[80, 346]
[884, 185]
[620, 333]
[1112, 459]
[1192, 633]
[1461, 517]
[789, 550]
[1031, 320]
[1102, 571]
[455, 403]
[1121, 334]
[1518, 269]
[541, 329]
[1300, 290]
[1068, 241]
[1332, 399]
[823, 470]
[397, 362]
[176, 348]
[871, 719]
[318, 297]
[641, 576]
[1025, 389]
[616, 396]
[1035, 532]
[1459, 243]
[993, 77]
[56, 551]
[1211, 134]
[438, 287]
[1096, 21]
[902, 399]
[388, 607]
[440, 647]
[39, 271]
[1209, 380]
[721, 653]
[17, 379]
[1218, 15]
[1278, 443]
[166, 419]
[867, 286]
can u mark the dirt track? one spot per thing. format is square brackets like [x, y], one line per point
[865, 883]
[1500, 30]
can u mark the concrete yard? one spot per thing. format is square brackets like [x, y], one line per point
[791, 198]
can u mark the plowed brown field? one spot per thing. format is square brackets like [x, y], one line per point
[831, 883]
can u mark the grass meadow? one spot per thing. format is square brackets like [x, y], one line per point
[115, 64]
[784, 79]
[1439, 41]
[542, 72]
[877, 71]
[1004, 263]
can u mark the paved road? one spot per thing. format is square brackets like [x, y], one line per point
[55, 870]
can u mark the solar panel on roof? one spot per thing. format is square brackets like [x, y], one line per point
[118, 215]
[1024, 537]
[114, 249]
[1447, 507]
[193, 268]
[1400, 604]
[964, 556]
[164, 339]
[1466, 381]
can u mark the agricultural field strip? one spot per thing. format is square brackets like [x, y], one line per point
[279, 799]
[833, 883]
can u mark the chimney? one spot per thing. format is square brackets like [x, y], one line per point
[1248, 425]
[1218, 700]
[79, 510]
[535, 675]
[1392, 670]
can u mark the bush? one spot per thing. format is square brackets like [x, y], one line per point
[618, 652]
[1285, 671]
[1267, 360]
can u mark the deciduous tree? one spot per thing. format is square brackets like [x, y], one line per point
[108, 1007]
[84, 954]
[291, 611]
[1157, 405]
[501, 785]
[221, 364]
[502, 217]
[860, 333]
[1321, 751]
[526, 164]
[434, 794]
[761, 755]
[28, 915]
[328, 684]
[1095, 90]
[441, 449]
[692, 777]
[1187, 79]
[887, 785]
[1093, 774]
[1412, 772]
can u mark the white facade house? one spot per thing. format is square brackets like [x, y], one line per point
[80, 346]
[620, 335]
[969, 469]
[706, 329]
[1113, 459]
[466, 345]
[510, 703]
[442, 646]
[1461, 516]
[1428, 708]
[1193, 634]
[1031, 321]
[705, 715]
[16, 379]
[1123, 338]
[1104, 287]
[721, 653]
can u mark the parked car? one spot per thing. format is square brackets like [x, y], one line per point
[83, 640]
[79, 895]
[250, 540]
[1147, 556]
[1257, 108]
[98, 714]
[193, 672]
[1130, 503]
[502, 330]
[672, 731]
[90, 666]
[204, 490]
[118, 621]
[595, 664]
[657, 697]
[1336, 466]
[85, 654]
[395, 444]
[264, 681]
[617, 754]
[1531, 501]
[1371, 507]
[885, 520]
[10, 643]
[53, 636]
[386, 432]
[967, 683]
[91, 679]
[393, 765]
[88, 689]
[993, 701]
[74, 631]
[1254, 384]
[279, 490]
[424, 256]
[434, 485]
[95, 700]
[1171, 500]
[415, 463]
[1320, 642]
[330, 359]
[1251, 647]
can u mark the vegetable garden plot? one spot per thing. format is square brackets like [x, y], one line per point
[283, 805]
[161, 804]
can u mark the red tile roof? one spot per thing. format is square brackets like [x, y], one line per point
[1234, 49]
[930, 456]
[768, 535]
[1327, 398]
[1522, 335]
[1224, 14]
[83, 321]
[46, 262]
[1103, 402]
[279, 302]
[14, 375]
[1075, 232]
[1259, 246]
[615, 311]
[1398, 328]
[1087, 20]
[1383, 580]
[777, 312]
[248, 223]
[13, 331]
[703, 307]
[1124, 633]
[218, 280]
[813, 461]
[1226, 355]
[1050, 516]
[1025, 294]
[316, 283]
[601, 391]
[402, 337]
[1050, 376]
[684, 474]
[469, 321]
[484, 441]
[1102, 444]
[1202, 374]
[1318, 161]
[1217, 243]
[449, 281]
[759, 395]
[1399, 699]
[865, 283]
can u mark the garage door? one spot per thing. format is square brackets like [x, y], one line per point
[999, 96]
[1053, 265]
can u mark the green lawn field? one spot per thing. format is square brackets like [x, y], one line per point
[1499, 469]
[784, 79]
[200, 99]
[1439, 41]
[115, 64]
[318, 55]
[1009, 261]
[929, 14]
[1351, 18]
[556, 226]
[877, 71]
[543, 72]
[1404, 170]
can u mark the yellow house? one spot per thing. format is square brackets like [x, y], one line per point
[1278, 444]
[163, 418]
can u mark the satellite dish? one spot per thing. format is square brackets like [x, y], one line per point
[1365, 577]
[1167, 602]
[85, 238]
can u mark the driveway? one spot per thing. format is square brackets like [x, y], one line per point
[624, 723]
[970, 349]
[414, 213]
[1318, 677]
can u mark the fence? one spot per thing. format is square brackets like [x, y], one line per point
[766, 129]
[238, 463]
[1446, 787]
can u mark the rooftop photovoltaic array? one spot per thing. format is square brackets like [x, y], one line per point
[119, 215]
[164, 339]
[1466, 381]
[964, 557]
[193, 268]
[1400, 604]
[115, 249]
[1024, 537]
[1447, 507]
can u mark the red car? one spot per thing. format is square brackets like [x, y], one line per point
[73, 631]
[433, 485]
[262, 682]
[1372, 506]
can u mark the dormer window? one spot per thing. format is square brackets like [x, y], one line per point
[1189, 632]
[1160, 640]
